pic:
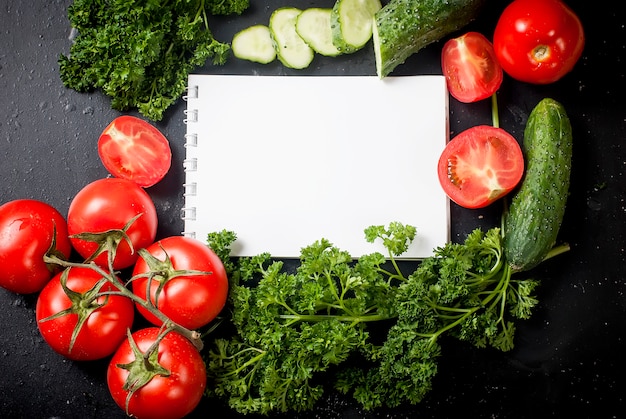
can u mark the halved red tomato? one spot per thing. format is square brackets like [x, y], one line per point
[133, 149]
[471, 68]
[480, 165]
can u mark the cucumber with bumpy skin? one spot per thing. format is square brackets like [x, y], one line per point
[351, 23]
[536, 212]
[403, 27]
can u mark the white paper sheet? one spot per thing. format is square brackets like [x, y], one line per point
[284, 161]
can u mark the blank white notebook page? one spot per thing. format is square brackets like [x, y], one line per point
[284, 161]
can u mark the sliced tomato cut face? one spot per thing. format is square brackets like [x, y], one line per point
[133, 149]
[470, 66]
[480, 165]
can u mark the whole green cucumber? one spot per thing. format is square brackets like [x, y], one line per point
[403, 27]
[536, 212]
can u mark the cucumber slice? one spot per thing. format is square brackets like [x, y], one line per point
[291, 49]
[351, 23]
[313, 25]
[254, 44]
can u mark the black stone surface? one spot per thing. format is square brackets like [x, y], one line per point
[569, 359]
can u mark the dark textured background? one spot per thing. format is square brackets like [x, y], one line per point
[570, 357]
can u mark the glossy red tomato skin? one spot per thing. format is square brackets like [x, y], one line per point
[480, 165]
[538, 41]
[193, 300]
[470, 67]
[110, 203]
[105, 328]
[134, 149]
[27, 229]
[169, 397]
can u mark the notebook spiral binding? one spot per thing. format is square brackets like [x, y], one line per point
[192, 92]
[190, 164]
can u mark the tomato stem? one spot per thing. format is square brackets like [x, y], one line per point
[193, 336]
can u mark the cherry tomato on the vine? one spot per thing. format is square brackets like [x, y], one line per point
[175, 388]
[471, 68]
[191, 300]
[105, 319]
[538, 41]
[134, 149]
[27, 230]
[110, 204]
[480, 165]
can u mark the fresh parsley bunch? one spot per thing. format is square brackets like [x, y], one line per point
[292, 328]
[140, 52]
[465, 291]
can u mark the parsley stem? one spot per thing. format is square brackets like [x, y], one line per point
[246, 364]
[323, 317]
[495, 117]
[498, 293]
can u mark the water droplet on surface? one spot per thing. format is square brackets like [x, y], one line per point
[594, 204]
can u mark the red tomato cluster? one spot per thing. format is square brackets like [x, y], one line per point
[81, 266]
[535, 41]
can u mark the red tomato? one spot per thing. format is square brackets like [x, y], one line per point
[470, 66]
[109, 204]
[27, 229]
[133, 149]
[108, 317]
[480, 165]
[192, 301]
[167, 397]
[538, 41]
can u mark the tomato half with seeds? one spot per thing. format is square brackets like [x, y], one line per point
[480, 165]
[470, 67]
[131, 148]
[538, 41]
[28, 230]
[103, 319]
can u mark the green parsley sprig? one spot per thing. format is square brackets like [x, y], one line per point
[140, 53]
[296, 329]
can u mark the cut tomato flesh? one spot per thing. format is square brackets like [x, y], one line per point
[133, 149]
[480, 165]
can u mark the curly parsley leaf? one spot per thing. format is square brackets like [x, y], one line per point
[140, 53]
[292, 327]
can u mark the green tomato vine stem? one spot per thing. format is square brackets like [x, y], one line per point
[193, 336]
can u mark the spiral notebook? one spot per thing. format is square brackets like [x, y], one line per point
[284, 161]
